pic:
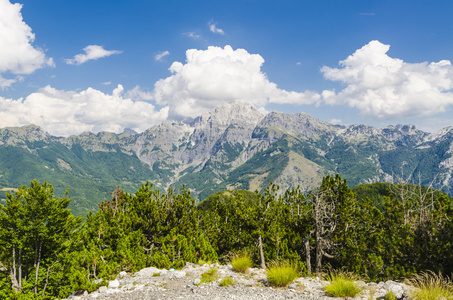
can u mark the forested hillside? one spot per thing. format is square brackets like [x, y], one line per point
[47, 252]
[232, 147]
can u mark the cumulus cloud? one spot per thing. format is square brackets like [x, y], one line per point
[161, 55]
[383, 87]
[17, 53]
[138, 94]
[210, 77]
[92, 52]
[214, 29]
[64, 113]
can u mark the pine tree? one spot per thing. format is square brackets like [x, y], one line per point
[35, 231]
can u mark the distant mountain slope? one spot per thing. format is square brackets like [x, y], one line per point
[232, 147]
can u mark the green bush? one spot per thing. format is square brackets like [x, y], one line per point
[282, 274]
[341, 284]
[430, 285]
[241, 263]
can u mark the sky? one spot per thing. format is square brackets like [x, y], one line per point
[78, 65]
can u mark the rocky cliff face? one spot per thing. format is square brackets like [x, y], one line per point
[235, 146]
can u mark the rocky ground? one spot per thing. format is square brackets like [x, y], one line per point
[153, 283]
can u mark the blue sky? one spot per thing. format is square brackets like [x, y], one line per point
[74, 66]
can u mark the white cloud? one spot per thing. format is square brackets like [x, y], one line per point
[383, 87]
[17, 54]
[92, 52]
[192, 35]
[214, 29]
[218, 75]
[336, 121]
[64, 113]
[161, 55]
[138, 94]
[4, 83]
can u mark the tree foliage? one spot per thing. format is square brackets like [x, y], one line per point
[35, 235]
[46, 252]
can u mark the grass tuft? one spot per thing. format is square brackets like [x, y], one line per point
[227, 281]
[429, 285]
[282, 274]
[202, 262]
[342, 284]
[390, 296]
[241, 263]
[209, 276]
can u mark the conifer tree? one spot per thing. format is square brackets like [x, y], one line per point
[35, 231]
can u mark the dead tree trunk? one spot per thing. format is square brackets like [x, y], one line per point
[324, 210]
[37, 264]
[13, 273]
[19, 269]
[318, 258]
[307, 253]
[260, 245]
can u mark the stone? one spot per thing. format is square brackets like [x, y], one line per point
[102, 289]
[177, 274]
[292, 286]
[122, 274]
[197, 281]
[148, 272]
[114, 284]
[395, 288]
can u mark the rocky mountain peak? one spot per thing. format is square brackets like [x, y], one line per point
[358, 130]
[443, 134]
[21, 135]
[130, 131]
[300, 124]
[229, 113]
[405, 134]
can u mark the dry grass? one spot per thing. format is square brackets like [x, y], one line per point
[227, 281]
[341, 284]
[429, 285]
[209, 276]
[241, 262]
[390, 296]
[282, 274]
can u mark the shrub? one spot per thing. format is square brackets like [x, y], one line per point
[227, 281]
[241, 263]
[282, 274]
[430, 285]
[341, 284]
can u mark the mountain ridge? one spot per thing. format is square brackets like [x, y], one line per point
[233, 146]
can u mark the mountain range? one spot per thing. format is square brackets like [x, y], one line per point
[232, 147]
